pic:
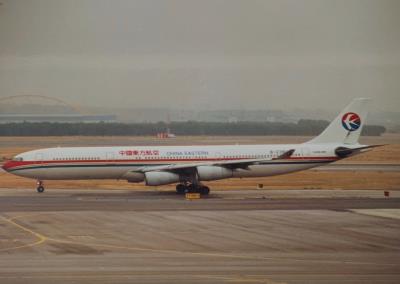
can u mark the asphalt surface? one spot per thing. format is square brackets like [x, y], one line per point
[103, 200]
[260, 236]
[360, 167]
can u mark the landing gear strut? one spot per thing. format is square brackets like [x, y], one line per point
[40, 186]
[192, 188]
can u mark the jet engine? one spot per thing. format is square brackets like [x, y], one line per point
[134, 176]
[160, 178]
[213, 172]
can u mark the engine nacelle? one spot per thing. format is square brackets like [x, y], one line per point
[213, 172]
[134, 176]
[160, 178]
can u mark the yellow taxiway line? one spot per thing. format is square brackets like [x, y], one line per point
[40, 238]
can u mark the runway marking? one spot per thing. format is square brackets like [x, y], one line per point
[156, 250]
[224, 255]
[40, 238]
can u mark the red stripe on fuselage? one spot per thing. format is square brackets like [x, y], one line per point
[14, 164]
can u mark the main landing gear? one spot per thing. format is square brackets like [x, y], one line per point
[192, 188]
[40, 186]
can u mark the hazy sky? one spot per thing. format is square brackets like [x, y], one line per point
[207, 54]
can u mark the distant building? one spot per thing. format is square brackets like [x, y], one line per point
[163, 135]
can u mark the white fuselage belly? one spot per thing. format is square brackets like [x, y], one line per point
[116, 172]
[115, 162]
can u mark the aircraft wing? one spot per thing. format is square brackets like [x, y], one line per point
[232, 164]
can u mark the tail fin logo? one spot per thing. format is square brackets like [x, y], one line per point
[351, 121]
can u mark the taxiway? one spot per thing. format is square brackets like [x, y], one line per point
[260, 236]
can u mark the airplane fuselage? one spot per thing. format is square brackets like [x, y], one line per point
[116, 162]
[189, 166]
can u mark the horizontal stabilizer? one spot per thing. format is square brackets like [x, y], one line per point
[344, 152]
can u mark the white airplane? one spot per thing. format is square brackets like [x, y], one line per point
[189, 166]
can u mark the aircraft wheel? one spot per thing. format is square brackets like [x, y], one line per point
[190, 188]
[204, 190]
[180, 188]
[40, 189]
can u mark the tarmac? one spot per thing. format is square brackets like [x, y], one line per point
[360, 167]
[254, 236]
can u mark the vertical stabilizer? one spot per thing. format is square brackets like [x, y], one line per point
[347, 126]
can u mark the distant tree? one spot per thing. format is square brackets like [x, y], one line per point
[373, 130]
[302, 127]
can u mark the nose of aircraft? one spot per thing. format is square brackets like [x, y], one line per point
[6, 165]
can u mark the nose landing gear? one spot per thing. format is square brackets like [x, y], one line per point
[40, 186]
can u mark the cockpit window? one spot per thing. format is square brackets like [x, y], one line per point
[17, 159]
